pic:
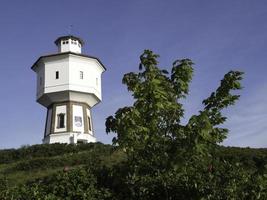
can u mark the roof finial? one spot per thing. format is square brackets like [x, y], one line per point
[70, 29]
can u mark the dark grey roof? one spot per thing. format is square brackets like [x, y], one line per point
[68, 37]
[65, 53]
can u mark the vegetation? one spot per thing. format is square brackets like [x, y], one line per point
[54, 171]
[91, 171]
[168, 160]
[154, 156]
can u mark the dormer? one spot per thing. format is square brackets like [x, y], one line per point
[69, 43]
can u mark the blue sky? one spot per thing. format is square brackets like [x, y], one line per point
[217, 35]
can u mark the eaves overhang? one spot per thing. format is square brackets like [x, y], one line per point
[67, 53]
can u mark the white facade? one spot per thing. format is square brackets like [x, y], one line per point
[70, 43]
[69, 85]
[80, 124]
[69, 138]
[75, 74]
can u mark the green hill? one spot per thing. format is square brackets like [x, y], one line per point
[23, 168]
[29, 164]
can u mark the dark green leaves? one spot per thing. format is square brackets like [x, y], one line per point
[131, 80]
[181, 76]
[165, 157]
[223, 97]
[148, 59]
[156, 112]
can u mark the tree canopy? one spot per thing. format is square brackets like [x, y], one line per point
[169, 160]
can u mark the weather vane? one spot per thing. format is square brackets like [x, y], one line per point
[70, 29]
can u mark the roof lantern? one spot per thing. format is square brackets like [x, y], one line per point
[69, 43]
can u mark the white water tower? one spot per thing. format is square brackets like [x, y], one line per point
[68, 85]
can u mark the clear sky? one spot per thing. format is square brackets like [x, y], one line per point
[217, 35]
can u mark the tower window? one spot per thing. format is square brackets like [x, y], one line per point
[81, 74]
[61, 120]
[89, 124]
[57, 74]
[41, 81]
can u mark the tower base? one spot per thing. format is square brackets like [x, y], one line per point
[69, 138]
[68, 122]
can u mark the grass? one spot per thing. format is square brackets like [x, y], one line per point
[26, 165]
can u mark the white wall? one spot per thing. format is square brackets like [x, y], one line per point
[91, 71]
[58, 138]
[78, 114]
[69, 67]
[52, 65]
[61, 109]
[68, 138]
[72, 45]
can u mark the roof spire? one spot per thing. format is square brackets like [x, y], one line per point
[70, 29]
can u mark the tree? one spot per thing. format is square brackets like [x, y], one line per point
[168, 160]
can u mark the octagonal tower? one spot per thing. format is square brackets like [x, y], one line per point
[68, 85]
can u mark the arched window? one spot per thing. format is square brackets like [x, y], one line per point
[61, 120]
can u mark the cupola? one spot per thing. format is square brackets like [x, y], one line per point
[69, 43]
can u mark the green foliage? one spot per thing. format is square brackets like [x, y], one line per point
[44, 150]
[72, 175]
[75, 184]
[71, 156]
[169, 160]
[94, 153]
[109, 175]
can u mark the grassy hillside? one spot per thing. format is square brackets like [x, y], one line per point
[29, 163]
[33, 162]
[34, 170]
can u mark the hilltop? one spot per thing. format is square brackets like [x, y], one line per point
[31, 165]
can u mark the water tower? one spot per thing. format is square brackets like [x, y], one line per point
[68, 85]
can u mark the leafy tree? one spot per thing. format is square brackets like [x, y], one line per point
[169, 160]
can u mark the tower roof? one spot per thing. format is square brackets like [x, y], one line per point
[67, 53]
[68, 37]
